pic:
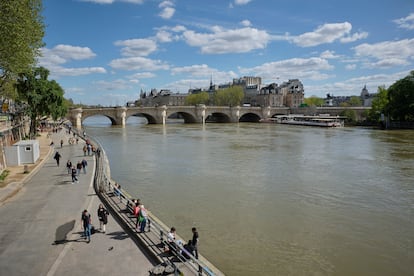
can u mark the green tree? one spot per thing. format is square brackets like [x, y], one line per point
[43, 97]
[199, 98]
[232, 96]
[314, 101]
[379, 104]
[350, 115]
[401, 99]
[21, 32]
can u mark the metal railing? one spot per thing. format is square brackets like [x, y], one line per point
[105, 185]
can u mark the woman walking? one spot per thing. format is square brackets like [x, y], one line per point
[103, 217]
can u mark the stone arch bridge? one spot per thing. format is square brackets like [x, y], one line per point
[198, 114]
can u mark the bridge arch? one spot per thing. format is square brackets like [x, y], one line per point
[250, 117]
[86, 116]
[188, 117]
[151, 119]
[217, 117]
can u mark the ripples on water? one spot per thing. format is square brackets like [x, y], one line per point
[272, 199]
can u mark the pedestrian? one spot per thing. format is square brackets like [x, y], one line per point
[79, 167]
[84, 150]
[61, 143]
[171, 246]
[143, 218]
[103, 217]
[194, 242]
[69, 166]
[84, 164]
[86, 223]
[74, 178]
[57, 158]
[89, 147]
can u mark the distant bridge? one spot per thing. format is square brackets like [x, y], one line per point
[200, 113]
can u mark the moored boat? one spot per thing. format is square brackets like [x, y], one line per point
[303, 120]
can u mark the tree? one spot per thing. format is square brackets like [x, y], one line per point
[199, 98]
[379, 104]
[232, 96]
[43, 97]
[21, 32]
[401, 99]
[314, 101]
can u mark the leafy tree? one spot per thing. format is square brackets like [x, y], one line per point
[43, 97]
[232, 96]
[350, 115]
[314, 101]
[379, 104]
[21, 32]
[199, 98]
[401, 99]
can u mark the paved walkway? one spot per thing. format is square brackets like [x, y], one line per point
[40, 231]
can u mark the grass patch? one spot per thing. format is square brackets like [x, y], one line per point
[4, 174]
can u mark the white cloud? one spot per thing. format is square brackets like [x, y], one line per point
[241, 2]
[62, 71]
[291, 68]
[406, 22]
[70, 52]
[388, 53]
[246, 23]
[328, 33]
[144, 75]
[354, 86]
[328, 55]
[222, 41]
[54, 59]
[138, 63]
[350, 67]
[137, 47]
[205, 72]
[168, 9]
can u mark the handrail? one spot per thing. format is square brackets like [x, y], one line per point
[104, 184]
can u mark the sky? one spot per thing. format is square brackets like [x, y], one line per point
[107, 51]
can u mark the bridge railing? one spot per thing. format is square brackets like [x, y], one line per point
[104, 185]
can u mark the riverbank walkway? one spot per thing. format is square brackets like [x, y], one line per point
[40, 230]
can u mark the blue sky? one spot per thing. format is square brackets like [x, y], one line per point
[106, 51]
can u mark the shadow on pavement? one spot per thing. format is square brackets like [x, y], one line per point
[119, 235]
[62, 232]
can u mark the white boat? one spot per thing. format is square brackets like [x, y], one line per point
[320, 121]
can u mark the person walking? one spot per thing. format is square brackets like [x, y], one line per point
[61, 143]
[103, 217]
[57, 158]
[84, 164]
[86, 223]
[69, 166]
[79, 167]
[84, 150]
[194, 242]
[74, 178]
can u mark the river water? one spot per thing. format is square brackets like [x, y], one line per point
[272, 199]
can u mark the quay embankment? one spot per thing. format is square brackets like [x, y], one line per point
[153, 240]
[40, 231]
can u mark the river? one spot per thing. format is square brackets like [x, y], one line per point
[272, 199]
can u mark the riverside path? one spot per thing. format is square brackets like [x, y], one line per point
[40, 231]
